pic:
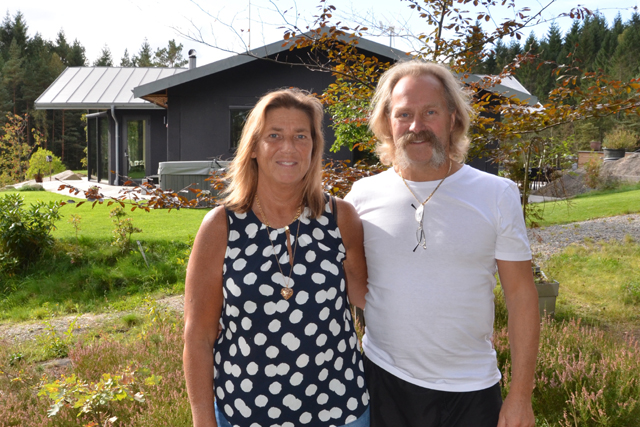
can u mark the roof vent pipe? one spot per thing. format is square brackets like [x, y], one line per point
[192, 59]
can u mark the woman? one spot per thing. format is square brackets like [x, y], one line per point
[273, 266]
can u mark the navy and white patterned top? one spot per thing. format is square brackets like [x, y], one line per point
[289, 362]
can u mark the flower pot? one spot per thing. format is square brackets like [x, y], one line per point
[613, 153]
[595, 145]
[38, 177]
[547, 294]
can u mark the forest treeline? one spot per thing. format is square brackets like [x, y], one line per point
[590, 45]
[29, 64]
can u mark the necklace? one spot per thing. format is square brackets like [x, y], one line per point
[419, 215]
[286, 292]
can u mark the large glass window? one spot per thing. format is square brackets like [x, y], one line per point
[136, 148]
[238, 119]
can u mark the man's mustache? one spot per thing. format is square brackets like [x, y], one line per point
[423, 135]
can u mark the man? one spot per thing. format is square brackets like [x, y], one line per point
[435, 232]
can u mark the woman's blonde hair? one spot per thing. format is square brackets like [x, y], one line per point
[243, 170]
[457, 101]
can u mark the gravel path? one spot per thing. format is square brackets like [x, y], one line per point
[544, 243]
[20, 332]
[551, 240]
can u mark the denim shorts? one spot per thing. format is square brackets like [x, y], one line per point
[363, 421]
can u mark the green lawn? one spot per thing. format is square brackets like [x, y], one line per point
[591, 206]
[95, 223]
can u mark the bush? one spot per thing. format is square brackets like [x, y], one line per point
[38, 163]
[34, 187]
[592, 172]
[619, 139]
[24, 234]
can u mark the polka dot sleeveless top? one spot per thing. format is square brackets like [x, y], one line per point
[292, 362]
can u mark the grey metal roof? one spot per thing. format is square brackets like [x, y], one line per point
[243, 58]
[508, 87]
[95, 88]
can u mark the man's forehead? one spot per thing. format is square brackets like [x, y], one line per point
[426, 90]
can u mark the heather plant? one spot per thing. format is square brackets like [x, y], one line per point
[583, 376]
[147, 360]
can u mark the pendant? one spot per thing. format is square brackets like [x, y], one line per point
[286, 293]
[419, 213]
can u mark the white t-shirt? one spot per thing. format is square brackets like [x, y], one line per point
[429, 313]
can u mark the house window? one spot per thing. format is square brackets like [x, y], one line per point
[238, 118]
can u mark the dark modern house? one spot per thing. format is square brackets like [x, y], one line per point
[193, 114]
[125, 135]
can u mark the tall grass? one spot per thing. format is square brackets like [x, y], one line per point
[599, 284]
[92, 276]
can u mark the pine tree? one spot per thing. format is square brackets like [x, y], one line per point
[105, 59]
[77, 56]
[10, 30]
[626, 56]
[13, 74]
[61, 47]
[125, 61]
[570, 42]
[550, 55]
[592, 35]
[143, 59]
[170, 56]
[527, 73]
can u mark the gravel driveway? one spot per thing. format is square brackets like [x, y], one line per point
[551, 240]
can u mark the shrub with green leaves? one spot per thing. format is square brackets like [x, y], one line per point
[95, 400]
[620, 139]
[123, 228]
[24, 233]
[38, 164]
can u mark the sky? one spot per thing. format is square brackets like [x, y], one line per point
[124, 24]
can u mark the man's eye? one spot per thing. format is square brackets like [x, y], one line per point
[301, 136]
[273, 135]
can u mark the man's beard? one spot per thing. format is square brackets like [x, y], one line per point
[438, 152]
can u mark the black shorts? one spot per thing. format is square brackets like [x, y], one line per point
[398, 403]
